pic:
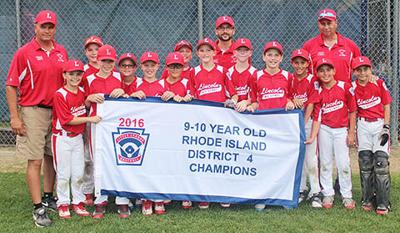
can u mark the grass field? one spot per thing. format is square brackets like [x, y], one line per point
[15, 214]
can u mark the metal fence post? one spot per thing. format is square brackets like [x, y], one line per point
[200, 17]
[18, 21]
[395, 73]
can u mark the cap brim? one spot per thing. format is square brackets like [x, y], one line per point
[46, 21]
[106, 58]
[205, 43]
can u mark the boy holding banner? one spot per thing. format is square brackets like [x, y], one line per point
[210, 82]
[127, 65]
[305, 94]
[241, 72]
[185, 48]
[104, 82]
[336, 111]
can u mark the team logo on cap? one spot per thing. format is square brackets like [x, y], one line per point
[108, 52]
[361, 59]
[299, 51]
[149, 55]
[130, 146]
[274, 44]
[48, 15]
[76, 63]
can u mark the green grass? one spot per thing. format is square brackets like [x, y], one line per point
[15, 216]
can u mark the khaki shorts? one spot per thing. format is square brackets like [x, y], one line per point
[37, 141]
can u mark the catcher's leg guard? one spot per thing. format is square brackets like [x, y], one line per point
[366, 164]
[382, 179]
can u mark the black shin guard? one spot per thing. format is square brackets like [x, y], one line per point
[366, 164]
[382, 179]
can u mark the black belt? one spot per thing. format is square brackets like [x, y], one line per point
[44, 106]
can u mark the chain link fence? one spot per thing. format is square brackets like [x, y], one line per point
[138, 26]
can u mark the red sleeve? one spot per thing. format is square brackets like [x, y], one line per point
[312, 92]
[290, 86]
[164, 74]
[350, 98]
[61, 109]
[192, 87]
[229, 84]
[316, 114]
[18, 67]
[85, 85]
[253, 87]
[385, 94]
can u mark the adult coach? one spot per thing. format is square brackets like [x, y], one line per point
[331, 44]
[224, 29]
[36, 73]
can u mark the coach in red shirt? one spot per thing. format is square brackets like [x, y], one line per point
[332, 45]
[36, 73]
[224, 29]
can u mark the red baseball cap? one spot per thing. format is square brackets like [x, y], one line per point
[328, 14]
[243, 42]
[175, 58]
[149, 56]
[273, 45]
[46, 16]
[324, 61]
[224, 19]
[73, 65]
[183, 43]
[301, 53]
[94, 40]
[360, 61]
[106, 52]
[206, 41]
[130, 56]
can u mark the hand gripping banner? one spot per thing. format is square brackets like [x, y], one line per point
[198, 151]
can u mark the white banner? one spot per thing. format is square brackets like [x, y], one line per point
[198, 151]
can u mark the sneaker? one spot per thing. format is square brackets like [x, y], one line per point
[316, 201]
[302, 196]
[381, 210]
[147, 207]
[80, 210]
[50, 203]
[166, 202]
[89, 200]
[225, 205]
[203, 205]
[123, 211]
[63, 211]
[327, 202]
[159, 208]
[100, 210]
[138, 202]
[186, 204]
[349, 203]
[259, 207]
[367, 206]
[40, 217]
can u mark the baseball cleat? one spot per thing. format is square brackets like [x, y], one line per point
[316, 201]
[225, 205]
[123, 211]
[186, 204]
[50, 203]
[349, 203]
[63, 211]
[159, 208]
[203, 205]
[302, 196]
[147, 207]
[89, 200]
[367, 207]
[327, 202]
[259, 207]
[41, 218]
[100, 210]
[80, 210]
[382, 211]
[138, 202]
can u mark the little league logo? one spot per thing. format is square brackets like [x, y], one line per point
[130, 146]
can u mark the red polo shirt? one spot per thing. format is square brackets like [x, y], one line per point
[224, 58]
[241, 81]
[341, 54]
[36, 73]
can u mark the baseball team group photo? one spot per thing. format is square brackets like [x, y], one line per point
[224, 131]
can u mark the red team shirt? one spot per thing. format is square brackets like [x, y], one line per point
[241, 81]
[185, 73]
[68, 105]
[156, 88]
[305, 89]
[129, 89]
[340, 54]
[181, 87]
[36, 73]
[213, 85]
[226, 58]
[335, 105]
[270, 91]
[97, 85]
[371, 98]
